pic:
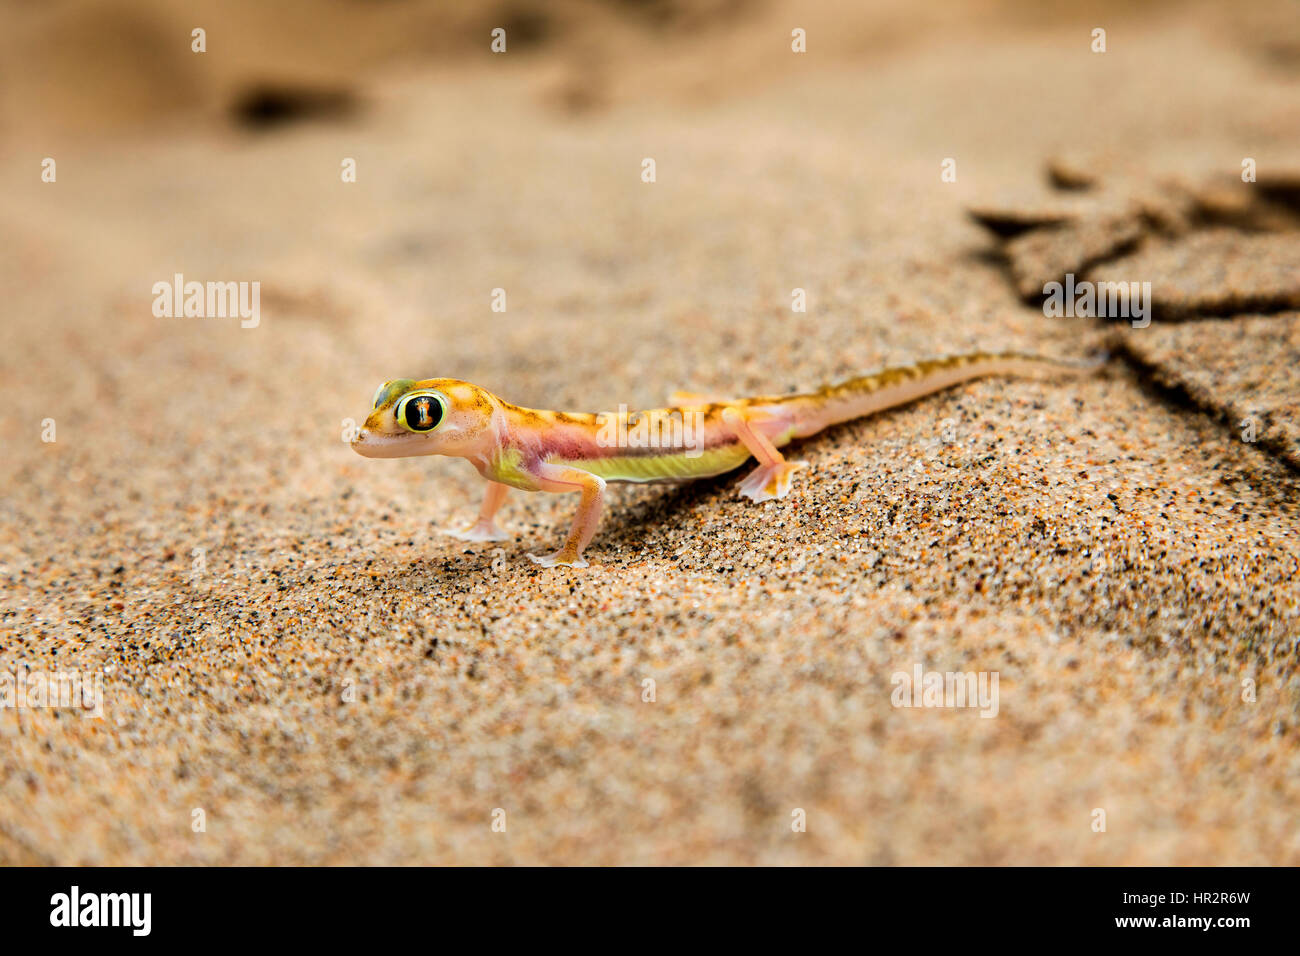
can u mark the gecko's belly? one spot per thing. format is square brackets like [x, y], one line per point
[644, 465]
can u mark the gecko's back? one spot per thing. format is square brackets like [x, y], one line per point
[682, 442]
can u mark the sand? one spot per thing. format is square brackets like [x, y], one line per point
[288, 645]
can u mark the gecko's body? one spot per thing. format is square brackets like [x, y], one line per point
[536, 450]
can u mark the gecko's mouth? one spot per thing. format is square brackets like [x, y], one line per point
[369, 444]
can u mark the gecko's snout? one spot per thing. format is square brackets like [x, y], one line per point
[372, 444]
[364, 444]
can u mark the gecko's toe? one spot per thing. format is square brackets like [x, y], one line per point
[476, 532]
[768, 482]
[559, 559]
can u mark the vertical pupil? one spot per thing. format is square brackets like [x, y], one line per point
[423, 413]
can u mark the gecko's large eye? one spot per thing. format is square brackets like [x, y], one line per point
[420, 413]
[389, 390]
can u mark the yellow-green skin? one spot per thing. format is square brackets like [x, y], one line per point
[538, 450]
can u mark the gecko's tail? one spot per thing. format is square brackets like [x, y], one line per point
[891, 387]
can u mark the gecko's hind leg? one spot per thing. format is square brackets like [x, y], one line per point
[485, 528]
[771, 479]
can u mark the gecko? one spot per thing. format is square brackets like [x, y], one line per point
[697, 436]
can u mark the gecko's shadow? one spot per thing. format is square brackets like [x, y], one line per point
[626, 523]
[621, 535]
[623, 521]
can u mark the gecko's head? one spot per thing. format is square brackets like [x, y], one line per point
[438, 416]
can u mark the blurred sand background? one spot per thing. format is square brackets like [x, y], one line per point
[343, 685]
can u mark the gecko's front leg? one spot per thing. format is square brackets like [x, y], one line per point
[560, 479]
[485, 528]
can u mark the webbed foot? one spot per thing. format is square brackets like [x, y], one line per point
[770, 481]
[564, 558]
[476, 532]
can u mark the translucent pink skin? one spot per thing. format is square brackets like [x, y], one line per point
[559, 452]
